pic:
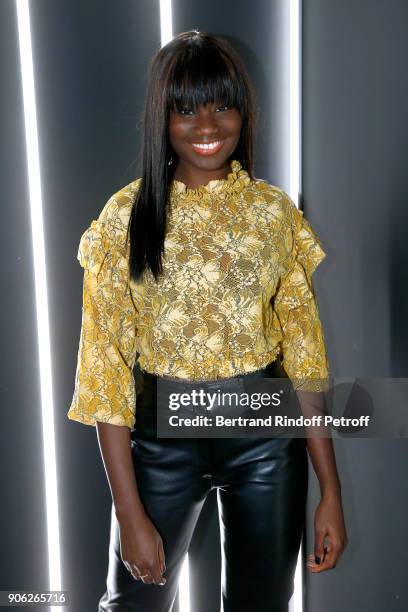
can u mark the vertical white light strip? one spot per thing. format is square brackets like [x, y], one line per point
[166, 23]
[295, 99]
[41, 301]
[184, 587]
[166, 34]
[295, 186]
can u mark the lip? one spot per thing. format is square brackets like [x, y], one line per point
[207, 151]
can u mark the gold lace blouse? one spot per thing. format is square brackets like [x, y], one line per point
[236, 292]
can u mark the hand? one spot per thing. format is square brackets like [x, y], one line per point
[141, 549]
[328, 523]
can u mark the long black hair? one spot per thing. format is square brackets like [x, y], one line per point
[194, 68]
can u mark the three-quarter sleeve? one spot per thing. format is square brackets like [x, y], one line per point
[104, 382]
[304, 355]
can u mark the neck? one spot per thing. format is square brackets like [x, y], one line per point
[194, 177]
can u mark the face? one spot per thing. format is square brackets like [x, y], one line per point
[204, 139]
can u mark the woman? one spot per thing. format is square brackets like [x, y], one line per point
[202, 273]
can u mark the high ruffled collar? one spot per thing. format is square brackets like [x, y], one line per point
[236, 180]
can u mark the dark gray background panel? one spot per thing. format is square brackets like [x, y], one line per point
[355, 123]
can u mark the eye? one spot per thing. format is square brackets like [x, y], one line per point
[185, 111]
[223, 108]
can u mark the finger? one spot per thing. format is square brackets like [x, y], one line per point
[160, 553]
[311, 563]
[160, 581]
[319, 545]
[329, 561]
[157, 575]
[134, 570]
[130, 569]
[146, 577]
[139, 574]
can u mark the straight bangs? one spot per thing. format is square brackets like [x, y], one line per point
[203, 76]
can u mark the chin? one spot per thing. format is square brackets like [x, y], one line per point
[209, 162]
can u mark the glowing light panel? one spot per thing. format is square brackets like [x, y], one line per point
[41, 295]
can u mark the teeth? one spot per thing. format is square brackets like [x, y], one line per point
[211, 145]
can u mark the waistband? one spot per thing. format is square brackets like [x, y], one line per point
[271, 370]
[154, 390]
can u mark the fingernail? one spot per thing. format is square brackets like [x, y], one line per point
[317, 559]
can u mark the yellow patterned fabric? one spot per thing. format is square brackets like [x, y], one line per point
[235, 293]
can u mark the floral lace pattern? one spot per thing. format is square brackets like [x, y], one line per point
[235, 293]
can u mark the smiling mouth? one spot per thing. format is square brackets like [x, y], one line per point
[207, 148]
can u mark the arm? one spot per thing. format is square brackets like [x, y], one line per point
[115, 447]
[140, 542]
[319, 444]
[305, 362]
[329, 519]
[104, 395]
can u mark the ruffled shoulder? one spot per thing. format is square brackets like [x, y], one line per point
[93, 247]
[307, 246]
[108, 233]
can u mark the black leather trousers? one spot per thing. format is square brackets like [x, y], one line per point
[261, 492]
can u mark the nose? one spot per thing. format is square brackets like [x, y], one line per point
[206, 124]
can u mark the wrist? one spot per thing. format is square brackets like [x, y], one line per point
[134, 511]
[331, 492]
